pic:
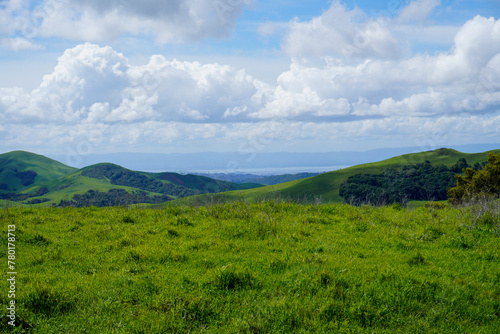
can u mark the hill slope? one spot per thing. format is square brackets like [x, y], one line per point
[21, 170]
[28, 178]
[326, 186]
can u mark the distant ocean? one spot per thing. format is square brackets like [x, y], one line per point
[257, 171]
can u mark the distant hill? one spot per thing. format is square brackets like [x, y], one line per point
[31, 179]
[276, 179]
[163, 183]
[27, 178]
[326, 186]
[248, 162]
[252, 178]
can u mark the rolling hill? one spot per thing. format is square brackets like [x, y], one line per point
[20, 170]
[28, 178]
[260, 179]
[326, 186]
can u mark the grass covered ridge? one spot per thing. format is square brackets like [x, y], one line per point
[272, 267]
[325, 187]
[31, 179]
[17, 162]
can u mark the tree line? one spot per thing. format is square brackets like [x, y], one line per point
[422, 181]
[114, 197]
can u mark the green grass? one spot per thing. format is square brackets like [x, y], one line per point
[272, 267]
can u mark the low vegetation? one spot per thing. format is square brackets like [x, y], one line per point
[272, 267]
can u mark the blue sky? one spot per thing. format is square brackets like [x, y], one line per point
[243, 75]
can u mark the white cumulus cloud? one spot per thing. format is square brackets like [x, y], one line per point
[173, 21]
[97, 84]
[342, 33]
[380, 93]
[464, 79]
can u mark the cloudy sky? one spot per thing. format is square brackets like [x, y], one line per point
[247, 75]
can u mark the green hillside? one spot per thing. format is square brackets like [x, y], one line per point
[21, 170]
[326, 186]
[35, 180]
[203, 183]
[66, 187]
[32, 179]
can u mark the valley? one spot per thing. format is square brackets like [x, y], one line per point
[30, 179]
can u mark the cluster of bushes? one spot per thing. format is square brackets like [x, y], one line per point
[114, 197]
[14, 197]
[27, 177]
[42, 191]
[37, 200]
[22, 197]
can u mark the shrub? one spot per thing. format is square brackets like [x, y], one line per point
[435, 205]
[27, 177]
[482, 183]
[173, 233]
[127, 219]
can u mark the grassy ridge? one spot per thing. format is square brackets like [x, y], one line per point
[63, 182]
[273, 267]
[326, 186]
[60, 182]
[47, 169]
[64, 188]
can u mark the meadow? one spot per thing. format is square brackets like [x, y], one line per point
[270, 267]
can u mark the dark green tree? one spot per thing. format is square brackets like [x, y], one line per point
[459, 166]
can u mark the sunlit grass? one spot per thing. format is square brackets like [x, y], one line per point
[273, 267]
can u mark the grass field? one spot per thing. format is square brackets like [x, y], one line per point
[272, 267]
